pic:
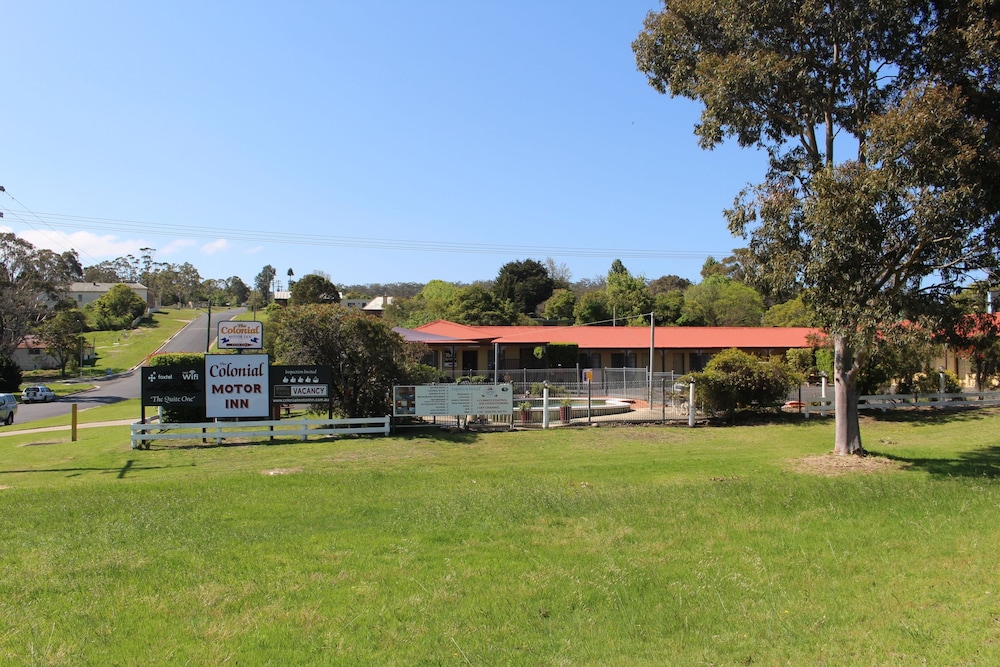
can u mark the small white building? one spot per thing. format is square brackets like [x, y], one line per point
[84, 293]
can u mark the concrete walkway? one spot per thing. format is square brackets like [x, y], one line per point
[66, 427]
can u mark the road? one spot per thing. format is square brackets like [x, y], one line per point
[192, 338]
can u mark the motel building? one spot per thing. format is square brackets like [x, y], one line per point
[459, 350]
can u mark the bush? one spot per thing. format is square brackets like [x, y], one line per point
[735, 380]
[10, 375]
[117, 309]
[538, 389]
[929, 383]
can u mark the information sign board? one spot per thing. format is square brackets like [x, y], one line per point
[452, 399]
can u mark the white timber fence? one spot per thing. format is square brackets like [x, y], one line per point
[884, 402]
[143, 434]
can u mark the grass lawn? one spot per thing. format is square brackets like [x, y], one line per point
[601, 546]
[119, 351]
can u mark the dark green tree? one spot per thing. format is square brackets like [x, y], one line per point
[117, 309]
[526, 284]
[314, 289]
[31, 281]
[366, 355]
[262, 282]
[10, 375]
[238, 290]
[62, 335]
[909, 86]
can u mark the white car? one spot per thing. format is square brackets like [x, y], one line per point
[8, 408]
[37, 393]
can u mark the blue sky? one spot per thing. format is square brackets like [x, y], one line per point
[375, 141]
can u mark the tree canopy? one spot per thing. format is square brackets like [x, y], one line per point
[367, 357]
[31, 281]
[909, 88]
[526, 284]
[314, 289]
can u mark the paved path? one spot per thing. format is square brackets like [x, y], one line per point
[66, 427]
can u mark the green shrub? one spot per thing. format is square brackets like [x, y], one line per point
[538, 388]
[929, 382]
[10, 375]
[735, 380]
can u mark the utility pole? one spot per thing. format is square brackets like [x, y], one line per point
[208, 329]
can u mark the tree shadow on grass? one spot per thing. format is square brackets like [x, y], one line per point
[983, 462]
[119, 472]
[924, 416]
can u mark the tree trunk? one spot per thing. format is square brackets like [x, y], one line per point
[845, 375]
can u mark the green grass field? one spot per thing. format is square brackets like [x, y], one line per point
[119, 351]
[602, 546]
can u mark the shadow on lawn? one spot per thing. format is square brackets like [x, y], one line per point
[982, 462]
[978, 463]
[120, 473]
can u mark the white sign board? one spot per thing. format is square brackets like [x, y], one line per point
[241, 336]
[236, 385]
[438, 400]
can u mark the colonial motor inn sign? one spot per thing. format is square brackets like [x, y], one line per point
[241, 336]
[173, 386]
[301, 384]
[236, 385]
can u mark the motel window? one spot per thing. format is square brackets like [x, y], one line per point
[623, 360]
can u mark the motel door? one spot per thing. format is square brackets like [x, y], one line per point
[470, 359]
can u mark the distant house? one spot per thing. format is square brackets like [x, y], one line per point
[84, 293]
[30, 355]
[377, 305]
[371, 306]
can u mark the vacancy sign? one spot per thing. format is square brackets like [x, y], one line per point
[236, 385]
[241, 336]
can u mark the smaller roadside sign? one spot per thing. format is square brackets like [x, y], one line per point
[173, 386]
[301, 384]
[241, 335]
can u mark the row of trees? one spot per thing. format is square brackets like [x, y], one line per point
[525, 292]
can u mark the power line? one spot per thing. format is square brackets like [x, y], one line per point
[55, 240]
[268, 237]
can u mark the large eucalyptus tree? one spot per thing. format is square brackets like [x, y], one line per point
[907, 93]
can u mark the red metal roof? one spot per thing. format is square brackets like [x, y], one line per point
[618, 338]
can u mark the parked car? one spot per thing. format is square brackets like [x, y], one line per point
[37, 393]
[8, 408]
